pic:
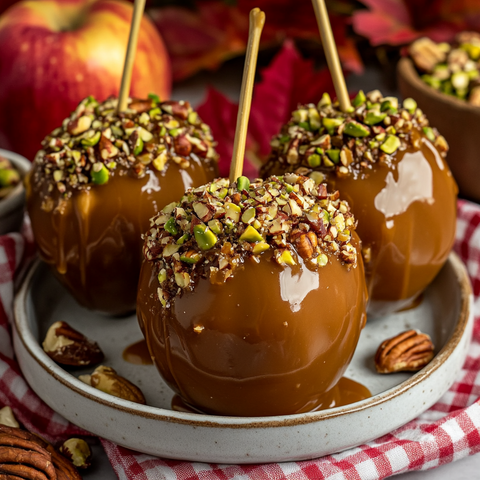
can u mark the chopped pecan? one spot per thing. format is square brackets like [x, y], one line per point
[305, 244]
[407, 351]
[426, 54]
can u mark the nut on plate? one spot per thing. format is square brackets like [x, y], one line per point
[67, 346]
[107, 380]
[8, 418]
[407, 351]
[78, 451]
[26, 455]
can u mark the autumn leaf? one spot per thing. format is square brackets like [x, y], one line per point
[204, 37]
[399, 22]
[288, 81]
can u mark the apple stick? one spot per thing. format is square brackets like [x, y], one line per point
[331, 53]
[257, 20]
[138, 8]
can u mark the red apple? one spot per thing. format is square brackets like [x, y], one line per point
[56, 52]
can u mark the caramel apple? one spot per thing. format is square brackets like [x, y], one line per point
[98, 180]
[389, 164]
[252, 296]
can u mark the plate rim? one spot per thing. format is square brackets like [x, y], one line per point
[218, 421]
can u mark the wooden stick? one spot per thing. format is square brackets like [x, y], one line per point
[331, 53]
[257, 20]
[138, 8]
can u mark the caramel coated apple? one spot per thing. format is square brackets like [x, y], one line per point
[99, 179]
[389, 164]
[259, 311]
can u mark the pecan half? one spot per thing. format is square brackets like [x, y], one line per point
[407, 351]
[306, 244]
[25, 455]
[67, 346]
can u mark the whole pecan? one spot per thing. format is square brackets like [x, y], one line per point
[407, 351]
[24, 455]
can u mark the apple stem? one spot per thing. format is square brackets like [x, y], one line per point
[138, 8]
[257, 20]
[331, 53]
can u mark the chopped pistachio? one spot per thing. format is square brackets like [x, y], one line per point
[355, 129]
[204, 237]
[260, 247]
[250, 235]
[360, 99]
[331, 124]
[90, 142]
[100, 174]
[410, 105]
[314, 160]
[428, 131]
[324, 101]
[334, 155]
[171, 226]
[243, 183]
[373, 117]
[391, 144]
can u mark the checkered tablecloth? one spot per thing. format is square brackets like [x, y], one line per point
[448, 431]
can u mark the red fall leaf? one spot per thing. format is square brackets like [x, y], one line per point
[288, 81]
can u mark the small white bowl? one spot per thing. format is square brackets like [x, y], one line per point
[12, 206]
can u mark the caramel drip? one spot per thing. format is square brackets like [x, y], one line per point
[245, 348]
[92, 239]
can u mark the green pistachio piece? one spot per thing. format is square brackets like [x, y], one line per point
[243, 183]
[260, 247]
[286, 258]
[171, 226]
[319, 150]
[299, 116]
[304, 125]
[360, 99]
[314, 119]
[333, 155]
[193, 118]
[117, 131]
[154, 97]
[289, 188]
[163, 131]
[204, 237]
[284, 138]
[9, 177]
[472, 50]
[324, 101]
[432, 81]
[215, 226]
[331, 124]
[373, 117]
[390, 145]
[317, 177]
[232, 211]
[138, 147]
[162, 276]
[190, 257]
[100, 174]
[410, 105]
[183, 239]
[160, 161]
[250, 235]
[314, 160]
[460, 80]
[154, 112]
[355, 129]
[90, 142]
[248, 215]
[428, 131]
[322, 260]
[222, 193]
[389, 103]
[174, 132]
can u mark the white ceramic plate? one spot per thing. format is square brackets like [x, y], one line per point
[445, 314]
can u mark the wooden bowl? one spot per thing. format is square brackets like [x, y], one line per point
[456, 120]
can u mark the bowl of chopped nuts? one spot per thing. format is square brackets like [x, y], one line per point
[444, 81]
[13, 168]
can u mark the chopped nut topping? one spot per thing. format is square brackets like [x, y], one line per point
[215, 228]
[348, 143]
[9, 177]
[96, 140]
[454, 68]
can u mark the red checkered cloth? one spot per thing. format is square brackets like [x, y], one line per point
[448, 431]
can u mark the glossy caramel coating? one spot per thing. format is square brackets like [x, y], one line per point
[406, 213]
[92, 239]
[271, 340]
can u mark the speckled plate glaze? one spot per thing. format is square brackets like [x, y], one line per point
[445, 314]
